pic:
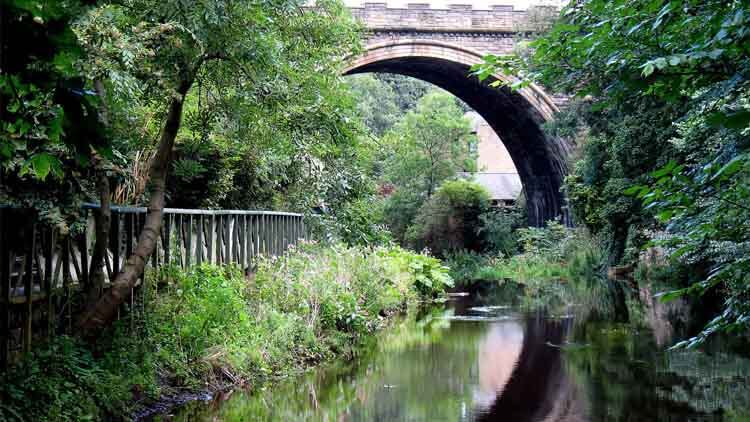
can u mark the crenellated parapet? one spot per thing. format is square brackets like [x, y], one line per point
[457, 17]
[492, 30]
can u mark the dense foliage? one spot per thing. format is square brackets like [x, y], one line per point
[449, 220]
[212, 327]
[267, 121]
[49, 123]
[663, 131]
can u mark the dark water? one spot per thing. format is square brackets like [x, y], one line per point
[479, 358]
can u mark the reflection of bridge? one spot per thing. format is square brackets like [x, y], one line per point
[439, 46]
[538, 389]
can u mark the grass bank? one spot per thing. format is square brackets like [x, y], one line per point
[556, 266]
[209, 328]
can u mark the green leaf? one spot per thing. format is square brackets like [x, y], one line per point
[43, 163]
[730, 168]
[633, 190]
[648, 69]
[667, 169]
[671, 295]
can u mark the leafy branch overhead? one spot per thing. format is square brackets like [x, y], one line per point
[661, 110]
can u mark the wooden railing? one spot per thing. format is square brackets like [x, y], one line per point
[43, 271]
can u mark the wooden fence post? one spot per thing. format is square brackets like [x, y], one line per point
[28, 287]
[199, 241]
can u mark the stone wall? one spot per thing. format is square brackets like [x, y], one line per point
[457, 17]
[486, 31]
[495, 43]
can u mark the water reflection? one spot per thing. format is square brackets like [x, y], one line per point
[478, 359]
[499, 351]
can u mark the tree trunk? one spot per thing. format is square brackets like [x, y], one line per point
[105, 309]
[103, 217]
[103, 220]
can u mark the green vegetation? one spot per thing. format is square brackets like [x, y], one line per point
[209, 328]
[448, 221]
[662, 123]
[557, 267]
[422, 139]
[429, 146]
[228, 104]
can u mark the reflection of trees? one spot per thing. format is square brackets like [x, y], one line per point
[414, 332]
[626, 377]
[433, 368]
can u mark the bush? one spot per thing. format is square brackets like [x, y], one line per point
[465, 266]
[448, 221]
[361, 222]
[62, 380]
[549, 242]
[399, 212]
[498, 230]
[200, 323]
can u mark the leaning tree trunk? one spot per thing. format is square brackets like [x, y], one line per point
[105, 309]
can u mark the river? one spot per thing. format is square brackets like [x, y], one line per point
[481, 357]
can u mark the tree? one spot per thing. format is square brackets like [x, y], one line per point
[668, 117]
[243, 52]
[449, 220]
[427, 146]
[49, 120]
[430, 144]
[408, 91]
[376, 103]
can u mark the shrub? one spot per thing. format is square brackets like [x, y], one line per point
[400, 209]
[62, 380]
[498, 230]
[200, 322]
[361, 222]
[549, 241]
[448, 221]
[465, 266]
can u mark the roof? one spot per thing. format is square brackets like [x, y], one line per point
[501, 186]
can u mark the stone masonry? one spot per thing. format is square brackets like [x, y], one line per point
[486, 31]
[440, 46]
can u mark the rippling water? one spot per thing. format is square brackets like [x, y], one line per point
[479, 358]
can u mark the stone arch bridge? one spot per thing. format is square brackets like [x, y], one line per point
[439, 46]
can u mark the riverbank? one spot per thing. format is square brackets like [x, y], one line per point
[211, 328]
[483, 356]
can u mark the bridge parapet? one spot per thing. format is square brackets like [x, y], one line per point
[487, 31]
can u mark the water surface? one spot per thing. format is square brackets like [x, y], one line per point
[480, 358]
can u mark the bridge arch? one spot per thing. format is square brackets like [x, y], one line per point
[517, 117]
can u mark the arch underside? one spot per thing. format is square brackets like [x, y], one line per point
[515, 116]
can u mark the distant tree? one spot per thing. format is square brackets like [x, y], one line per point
[431, 144]
[408, 91]
[376, 102]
